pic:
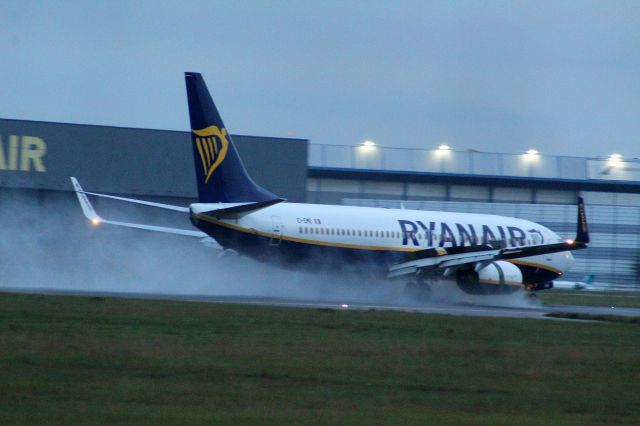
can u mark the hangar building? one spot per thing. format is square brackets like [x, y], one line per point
[36, 159]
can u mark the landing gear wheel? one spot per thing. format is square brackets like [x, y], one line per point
[418, 291]
[424, 294]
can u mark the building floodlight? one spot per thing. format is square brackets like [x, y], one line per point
[615, 160]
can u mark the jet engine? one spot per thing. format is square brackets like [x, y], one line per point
[498, 277]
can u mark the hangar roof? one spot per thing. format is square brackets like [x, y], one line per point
[612, 173]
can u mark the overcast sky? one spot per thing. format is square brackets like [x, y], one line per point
[504, 76]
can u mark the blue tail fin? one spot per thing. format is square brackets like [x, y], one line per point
[220, 173]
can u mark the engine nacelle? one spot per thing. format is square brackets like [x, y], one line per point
[498, 277]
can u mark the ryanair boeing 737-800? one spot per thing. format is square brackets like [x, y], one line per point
[482, 254]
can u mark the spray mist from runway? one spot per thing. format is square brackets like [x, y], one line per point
[53, 247]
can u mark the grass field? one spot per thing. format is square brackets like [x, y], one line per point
[590, 298]
[77, 360]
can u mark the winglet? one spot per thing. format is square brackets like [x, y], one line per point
[87, 208]
[582, 235]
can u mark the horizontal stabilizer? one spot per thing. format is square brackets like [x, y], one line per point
[243, 208]
[78, 189]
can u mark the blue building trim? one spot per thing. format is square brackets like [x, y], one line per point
[479, 180]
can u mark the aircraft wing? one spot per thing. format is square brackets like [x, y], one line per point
[448, 260]
[96, 220]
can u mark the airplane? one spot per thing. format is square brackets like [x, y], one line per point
[585, 284]
[482, 254]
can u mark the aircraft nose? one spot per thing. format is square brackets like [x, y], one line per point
[568, 260]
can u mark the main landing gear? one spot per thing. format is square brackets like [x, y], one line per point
[531, 290]
[418, 288]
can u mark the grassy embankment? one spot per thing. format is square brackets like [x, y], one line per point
[617, 299]
[82, 361]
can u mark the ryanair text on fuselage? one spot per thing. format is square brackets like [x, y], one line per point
[463, 234]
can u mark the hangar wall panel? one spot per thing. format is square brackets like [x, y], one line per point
[469, 192]
[512, 194]
[339, 185]
[390, 188]
[42, 155]
[555, 196]
[426, 190]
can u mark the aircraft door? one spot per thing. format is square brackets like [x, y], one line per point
[276, 231]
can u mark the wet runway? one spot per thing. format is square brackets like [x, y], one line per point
[533, 310]
[536, 311]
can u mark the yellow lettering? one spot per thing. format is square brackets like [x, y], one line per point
[13, 152]
[3, 163]
[33, 149]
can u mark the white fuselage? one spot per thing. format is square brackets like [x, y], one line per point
[367, 229]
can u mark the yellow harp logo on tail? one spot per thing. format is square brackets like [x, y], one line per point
[212, 146]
